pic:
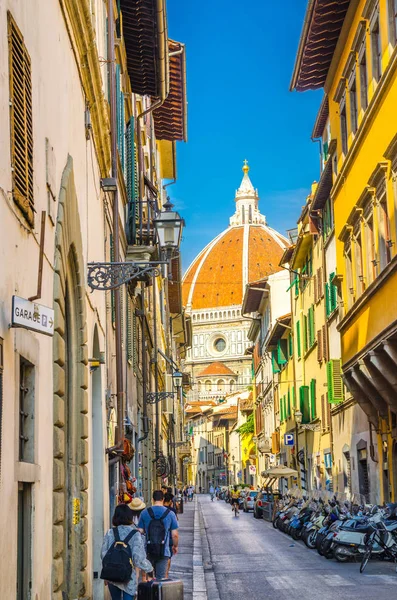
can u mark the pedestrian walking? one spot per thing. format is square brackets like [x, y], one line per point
[118, 562]
[200, 489]
[169, 503]
[212, 491]
[190, 493]
[161, 527]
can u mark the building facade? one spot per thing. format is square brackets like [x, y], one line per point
[359, 80]
[81, 177]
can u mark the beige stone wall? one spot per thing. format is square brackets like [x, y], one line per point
[58, 115]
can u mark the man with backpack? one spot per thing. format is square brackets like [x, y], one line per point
[161, 528]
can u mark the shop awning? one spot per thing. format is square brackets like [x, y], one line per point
[279, 471]
[145, 37]
[253, 296]
[170, 119]
[322, 26]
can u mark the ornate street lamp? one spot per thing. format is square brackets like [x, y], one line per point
[169, 226]
[109, 276]
[308, 426]
[177, 378]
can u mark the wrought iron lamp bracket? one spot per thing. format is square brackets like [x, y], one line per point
[154, 397]
[109, 276]
[310, 427]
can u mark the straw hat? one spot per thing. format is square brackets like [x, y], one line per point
[137, 504]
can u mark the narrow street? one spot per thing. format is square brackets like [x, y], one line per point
[252, 560]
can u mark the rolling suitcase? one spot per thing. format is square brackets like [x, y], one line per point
[162, 589]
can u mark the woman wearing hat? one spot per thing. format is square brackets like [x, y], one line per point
[136, 505]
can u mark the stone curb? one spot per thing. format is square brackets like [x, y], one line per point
[209, 575]
[199, 585]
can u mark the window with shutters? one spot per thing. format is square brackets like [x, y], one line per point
[304, 402]
[358, 261]
[331, 296]
[315, 289]
[320, 291]
[376, 48]
[26, 410]
[298, 338]
[305, 337]
[313, 411]
[282, 351]
[21, 125]
[392, 14]
[120, 117]
[334, 381]
[288, 404]
[328, 219]
[324, 341]
[131, 180]
[275, 365]
[310, 336]
[290, 345]
[319, 345]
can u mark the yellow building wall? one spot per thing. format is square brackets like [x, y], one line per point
[372, 319]
[376, 129]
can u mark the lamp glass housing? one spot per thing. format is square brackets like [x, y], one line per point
[298, 417]
[169, 225]
[177, 379]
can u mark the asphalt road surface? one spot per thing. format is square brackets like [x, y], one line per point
[254, 561]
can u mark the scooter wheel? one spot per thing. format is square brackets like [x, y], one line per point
[294, 534]
[310, 540]
[274, 522]
[340, 555]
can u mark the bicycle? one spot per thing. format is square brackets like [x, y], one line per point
[385, 540]
[236, 509]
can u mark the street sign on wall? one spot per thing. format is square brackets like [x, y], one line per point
[289, 439]
[31, 315]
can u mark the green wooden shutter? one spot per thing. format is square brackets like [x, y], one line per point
[311, 327]
[327, 300]
[282, 352]
[333, 295]
[312, 399]
[288, 403]
[131, 176]
[290, 345]
[275, 365]
[298, 338]
[120, 116]
[305, 333]
[293, 398]
[282, 409]
[334, 381]
[304, 403]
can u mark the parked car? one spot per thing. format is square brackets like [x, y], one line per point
[260, 499]
[249, 500]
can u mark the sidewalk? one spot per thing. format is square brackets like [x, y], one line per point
[192, 564]
[182, 563]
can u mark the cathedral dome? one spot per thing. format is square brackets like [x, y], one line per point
[248, 250]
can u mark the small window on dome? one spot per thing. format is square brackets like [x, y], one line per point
[220, 344]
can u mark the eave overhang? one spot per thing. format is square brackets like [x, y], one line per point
[302, 246]
[324, 187]
[146, 43]
[321, 29]
[277, 332]
[321, 119]
[253, 296]
[170, 119]
[175, 287]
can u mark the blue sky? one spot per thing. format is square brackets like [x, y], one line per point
[240, 57]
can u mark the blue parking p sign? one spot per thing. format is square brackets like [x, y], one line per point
[289, 439]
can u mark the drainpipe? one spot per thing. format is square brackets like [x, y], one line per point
[144, 374]
[116, 231]
[156, 374]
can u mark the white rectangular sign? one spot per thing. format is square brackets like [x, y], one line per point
[32, 316]
[252, 469]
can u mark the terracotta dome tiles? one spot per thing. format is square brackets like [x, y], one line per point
[217, 274]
